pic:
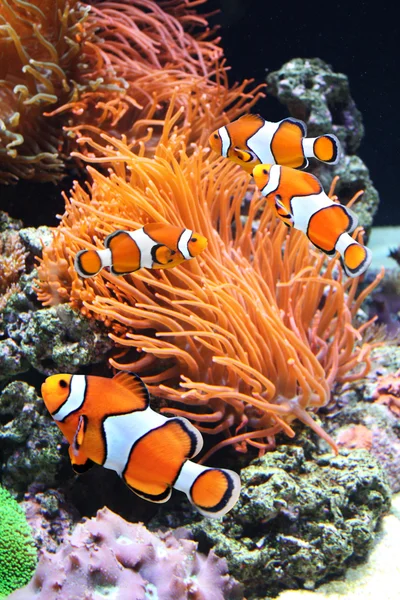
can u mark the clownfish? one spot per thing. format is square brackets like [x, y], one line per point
[300, 202]
[251, 140]
[154, 246]
[109, 422]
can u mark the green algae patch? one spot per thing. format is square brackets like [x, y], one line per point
[17, 549]
[299, 522]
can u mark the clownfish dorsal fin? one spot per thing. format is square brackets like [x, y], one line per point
[111, 236]
[251, 118]
[151, 227]
[133, 383]
[290, 122]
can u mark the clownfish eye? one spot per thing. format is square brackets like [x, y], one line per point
[62, 383]
[216, 136]
[172, 253]
[265, 172]
[193, 239]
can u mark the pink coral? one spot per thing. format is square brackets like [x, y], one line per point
[107, 555]
[388, 392]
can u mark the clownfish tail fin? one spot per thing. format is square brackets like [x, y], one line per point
[325, 148]
[354, 257]
[212, 491]
[90, 262]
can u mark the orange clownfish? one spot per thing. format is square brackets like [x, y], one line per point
[154, 246]
[300, 202]
[251, 140]
[109, 422]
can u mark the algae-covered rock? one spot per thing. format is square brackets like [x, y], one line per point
[52, 339]
[30, 443]
[299, 522]
[321, 98]
[317, 95]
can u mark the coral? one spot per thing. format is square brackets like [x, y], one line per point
[29, 444]
[17, 549]
[12, 264]
[356, 436]
[299, 522]
[354, 420]
[385, 304]
[109, 557]
[388, 392]
[50, 517]
[258, 329]
[314, 93]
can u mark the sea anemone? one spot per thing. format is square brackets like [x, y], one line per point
[247, 337]
[113, 67]
[40, 44]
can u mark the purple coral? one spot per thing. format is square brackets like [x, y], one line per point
[108, 556]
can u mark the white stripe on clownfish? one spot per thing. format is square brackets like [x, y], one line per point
[75, 399]
[145, 244]
[273, 181]
[183, 243]
[257, 145]
[225, 141]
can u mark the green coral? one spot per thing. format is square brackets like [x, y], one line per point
[299, 522]
[17, 549]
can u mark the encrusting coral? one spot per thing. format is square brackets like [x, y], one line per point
[12, 264]
[108, 557]
[248, 336]
[110, 66]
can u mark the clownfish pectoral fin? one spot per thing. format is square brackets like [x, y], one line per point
[243, 155]
[161, 254]
[80, 462]
[88, 263]
[283, 213]
[325, 148]
[132, 382]
[79, 435]
[355, 257]
[212, 491]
